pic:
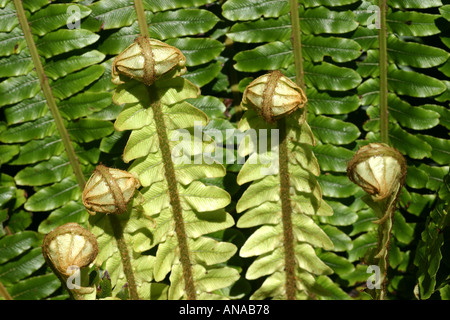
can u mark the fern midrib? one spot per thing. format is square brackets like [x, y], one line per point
[286, 209]
[286, 214]
[47, 91]
[383, 244]
[243, 5]
[177, 211]
[296, 38]
[142, 20]
[263, 29]
[124, 255]
[383, 61]
[401, 22]
[4, 293]
[410, 83]
[169, 170]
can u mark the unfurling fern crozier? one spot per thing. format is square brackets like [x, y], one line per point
[379, 169]
[69, 250]
[283, 202]
[273, 96]
[181, 207]
[148, 60]
[109, 190]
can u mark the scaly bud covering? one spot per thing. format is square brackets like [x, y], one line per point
[147, 60]
[273, 96]
[69, 246]
[379, 169]
[109, 190]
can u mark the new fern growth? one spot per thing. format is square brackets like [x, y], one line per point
[284, 196]
[68, 250]
[372, 71]
[180, 208]
[381, 172]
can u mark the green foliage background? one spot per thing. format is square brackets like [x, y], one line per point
[227, 44]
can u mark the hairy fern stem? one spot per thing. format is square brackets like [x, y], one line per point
[385, 225]
[125, 256]
[169, 170]
[384, 239]
[284, 170]
[286, 211]
[174, 196]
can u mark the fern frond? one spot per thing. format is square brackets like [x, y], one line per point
[262, 205]
[183, 208]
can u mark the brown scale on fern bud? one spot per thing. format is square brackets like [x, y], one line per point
[109, 190]
[147, 60]
[273, 96]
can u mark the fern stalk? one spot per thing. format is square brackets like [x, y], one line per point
[297, 44]
[384, 239]
[385, 225]
[382, 34]
[381, 172]
[169, 171]
[175, 203]
[142, 21]
[4, 292]
[286, 213]
[384, 228]
[286, 209]
[47, 91]
[125, 256]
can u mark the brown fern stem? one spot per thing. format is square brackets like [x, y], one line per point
[124, 256]
[286, 211]
[174, 196]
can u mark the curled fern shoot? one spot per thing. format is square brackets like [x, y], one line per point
[284, 197]
[167, 150]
